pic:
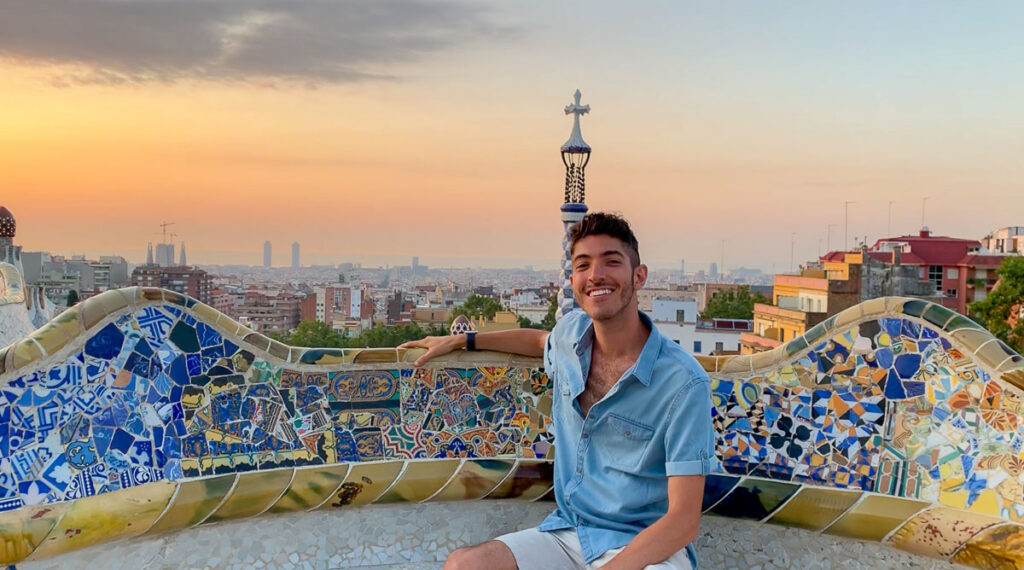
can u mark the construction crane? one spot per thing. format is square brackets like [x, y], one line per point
[164, 227]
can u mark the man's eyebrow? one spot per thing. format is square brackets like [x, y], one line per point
[609, 253]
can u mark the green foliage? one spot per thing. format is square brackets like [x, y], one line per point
[72, 298]
[319, 335]
[477, 306]
[548, 322]
[733, 304]
[995, 310]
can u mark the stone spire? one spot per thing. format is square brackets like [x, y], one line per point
[575, 156]
[181, 258]
[149, 253]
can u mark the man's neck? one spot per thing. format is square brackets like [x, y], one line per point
[623, 336]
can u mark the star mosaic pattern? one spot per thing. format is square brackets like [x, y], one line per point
[885, 422]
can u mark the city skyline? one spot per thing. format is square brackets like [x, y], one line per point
[791, 109]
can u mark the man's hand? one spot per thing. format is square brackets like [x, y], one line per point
[436, 346]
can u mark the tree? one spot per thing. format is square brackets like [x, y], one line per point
[548, 322]
[72, 298]
[317, 334]
[477, 306]
[1000, 311]
[733, 304]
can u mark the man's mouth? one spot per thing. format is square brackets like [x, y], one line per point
[599, 292]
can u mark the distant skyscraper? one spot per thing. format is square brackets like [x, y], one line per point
[295, 255]
[714, 270]
[149, 253]
[165, 254]
[575, 156]
[266, 254]
[181, 256]
[415, 263]
[682, 268]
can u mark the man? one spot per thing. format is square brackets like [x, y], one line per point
[632, 421]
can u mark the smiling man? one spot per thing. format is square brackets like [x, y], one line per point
[632, 421]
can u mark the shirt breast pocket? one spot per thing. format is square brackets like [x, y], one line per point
[627, 441]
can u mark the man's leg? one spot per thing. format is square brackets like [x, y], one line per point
[528, 549]
[492, 555]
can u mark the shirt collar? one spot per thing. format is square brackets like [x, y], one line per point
[644, 366]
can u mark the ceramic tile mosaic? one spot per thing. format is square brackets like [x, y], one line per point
[140, 390]
[814, 508]
[940, 531]
[1000, 546]
[310, 487]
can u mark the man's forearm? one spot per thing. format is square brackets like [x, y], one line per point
[527, 342]
[656, 543]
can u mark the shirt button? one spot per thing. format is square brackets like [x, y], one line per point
[585, 435]
[579, 469]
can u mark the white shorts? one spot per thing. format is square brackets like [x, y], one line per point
[536, 550]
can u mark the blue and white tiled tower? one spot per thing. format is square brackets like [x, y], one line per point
[575, 155]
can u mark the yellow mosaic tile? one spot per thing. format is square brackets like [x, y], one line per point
[940, 531]
[475, 479]
[1015, 378]
[23, 529]
[278, 350]
[364, 483]
[740, 363]
[174, 298]
[254, 492]
[26, 352]
[971, 339]
[1000, 546]
[153, 294]
[814, 508]
[205, 313]
[993, 353]
[872, 307]
[258, 341]
[420, 480]
[111, 516]
[374, 355]
[69, 323]
[875, 517]
[310, 487]
[50, 337]
[3, 359]
[194, 502]
[532, 479]
[762, 361]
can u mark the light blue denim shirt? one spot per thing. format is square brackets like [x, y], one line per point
[612, 467]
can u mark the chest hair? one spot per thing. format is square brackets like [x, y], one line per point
[604, 373]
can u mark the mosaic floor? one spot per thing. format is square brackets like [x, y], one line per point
[143, 412]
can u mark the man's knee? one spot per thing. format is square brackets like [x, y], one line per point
[492, 555]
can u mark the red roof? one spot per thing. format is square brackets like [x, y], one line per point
[982, 260]
[926, 249]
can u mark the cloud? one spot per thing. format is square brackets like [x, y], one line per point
[118, 42]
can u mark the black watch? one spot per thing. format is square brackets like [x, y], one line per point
[470, 340]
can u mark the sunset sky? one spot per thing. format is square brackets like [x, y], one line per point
[374, 131]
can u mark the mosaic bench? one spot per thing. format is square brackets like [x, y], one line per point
[141, 412]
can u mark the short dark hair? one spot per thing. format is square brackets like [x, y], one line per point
[607, 224]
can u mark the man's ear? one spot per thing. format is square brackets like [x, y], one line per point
[639, 276]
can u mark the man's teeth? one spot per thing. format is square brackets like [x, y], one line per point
[600, 292]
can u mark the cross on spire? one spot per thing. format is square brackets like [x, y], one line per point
[576, 142]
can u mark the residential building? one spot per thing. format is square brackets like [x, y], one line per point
[189, 281]
[269, 311]
[679, 320]
[1005, 240]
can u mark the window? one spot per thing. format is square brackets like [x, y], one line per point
[935, 276]
[951, 292]
[696, 347]
[719, 346]
[952, 273]
[680, 315]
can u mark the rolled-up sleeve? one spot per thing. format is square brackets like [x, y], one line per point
[690, 437]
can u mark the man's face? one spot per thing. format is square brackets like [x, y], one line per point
[604, 281]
